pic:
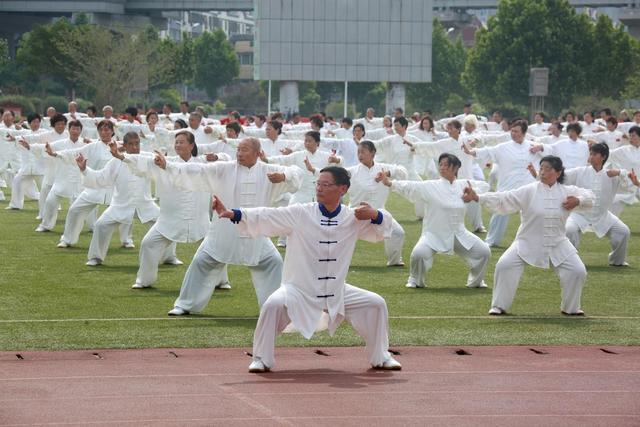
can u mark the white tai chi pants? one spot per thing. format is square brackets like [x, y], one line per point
[102, 232]
[473, 213]
[571, 272]
[205, 272]
[618, 236]
[365, 310]
[476, 257]
[44, 192]
[50, 211]
[393, 245]
[154, 249]
[497, 227]
[23, 186]
[81, 211]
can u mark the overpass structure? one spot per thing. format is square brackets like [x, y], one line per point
[147, 6]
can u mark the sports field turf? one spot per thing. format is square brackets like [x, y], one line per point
[50, 300]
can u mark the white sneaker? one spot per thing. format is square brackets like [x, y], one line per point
[281, 244]
[481, 230]
[140, 286]
[224, 286]
[174, 261]
[257, 366]
[128, 245]
[93, 262]
[481, 285]
[390, 364]
[177, 311]
[41, 229]
[497, 311]
[11, 208]
[62, 244]
[413, 285]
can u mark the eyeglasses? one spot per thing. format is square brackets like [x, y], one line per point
[324, 184]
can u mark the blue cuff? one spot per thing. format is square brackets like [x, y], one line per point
[378, 220]
[237, 216]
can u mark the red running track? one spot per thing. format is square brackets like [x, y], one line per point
[489, 386]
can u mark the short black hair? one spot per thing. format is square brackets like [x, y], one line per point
[75, 123]
[316, 120]
[575, 127]
[341, 176]
[403, 121]
[360, 126]
[522, 124]
[181, 123]
[276, 125]
[33, 116]
[315, 135]
[93, 109]
[235, 126]
[635, 129]
[601, 148]
[368, 145]
[58, 118]
[456, 124]
[452, 161]
[347, 120]
[132, 111]
[556, 163]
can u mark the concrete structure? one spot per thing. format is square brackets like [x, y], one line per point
[361, 41]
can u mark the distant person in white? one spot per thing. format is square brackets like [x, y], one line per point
[443, 228]
[604, 183]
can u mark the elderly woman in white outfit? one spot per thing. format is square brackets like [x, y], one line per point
[443, 228]
[544, 208]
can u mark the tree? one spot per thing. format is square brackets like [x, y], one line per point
[448, 59]
[525, 34]
[215, 62]
[4, 54]
[615, 56]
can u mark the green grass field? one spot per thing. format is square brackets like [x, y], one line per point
[50, 300]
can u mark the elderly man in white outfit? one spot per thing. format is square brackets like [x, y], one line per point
[544, 208]
[604, 183]
[513, 159]
[184, 215]
[131, 196]
[443, 228]
[322, 238]
[366, 187]
[246, 182]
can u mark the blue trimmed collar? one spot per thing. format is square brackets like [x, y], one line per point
[328, 214]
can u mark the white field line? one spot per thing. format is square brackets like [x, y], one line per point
[187, 318]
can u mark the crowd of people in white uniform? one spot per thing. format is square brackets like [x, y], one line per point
[178, 173]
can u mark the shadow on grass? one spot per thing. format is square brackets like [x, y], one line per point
[627, 271]
[328, 377]
[112, 269]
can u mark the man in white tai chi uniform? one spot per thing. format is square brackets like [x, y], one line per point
[322, 237]
[246, 182]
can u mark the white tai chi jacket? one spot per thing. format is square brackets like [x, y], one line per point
[604, 187]
[131, 195]
[541, 236]
[184, 215]
[320, 245]
[318, 160]
[626, 157]
[98, 155]
[235, 185]
[393, 150]
[574, 154]
[513, 159]
[364, 187]
[444, 219]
